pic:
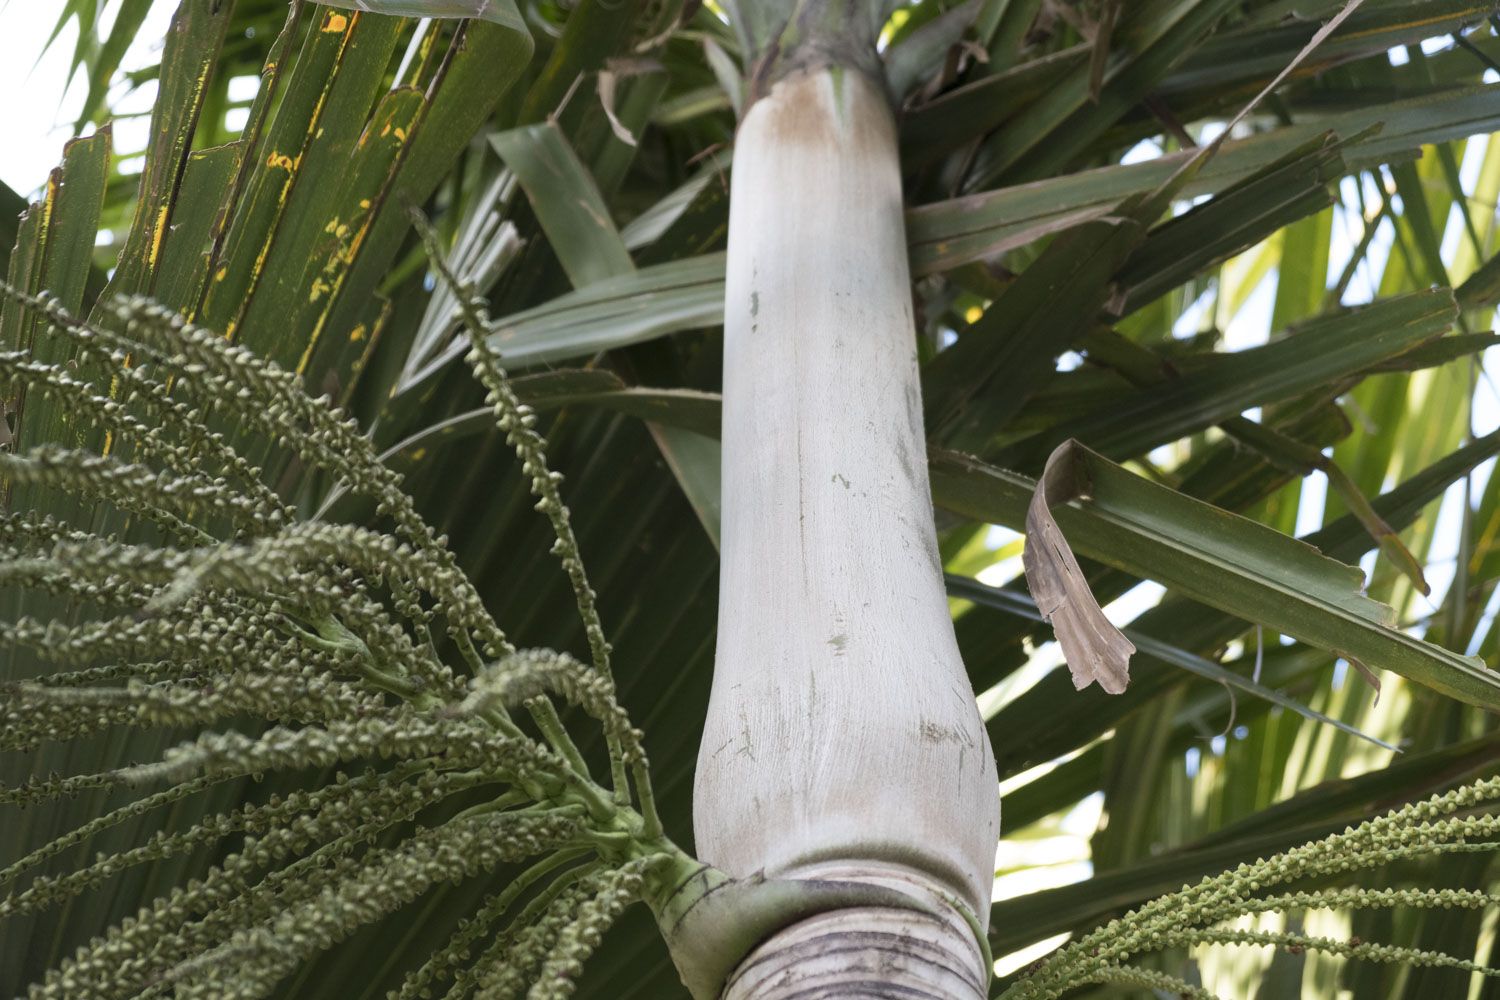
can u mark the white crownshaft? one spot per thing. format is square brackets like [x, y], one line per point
[842, 738]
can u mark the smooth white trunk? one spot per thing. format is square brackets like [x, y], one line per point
[842, 738]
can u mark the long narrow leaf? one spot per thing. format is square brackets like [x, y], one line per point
[1222, 560]
[498, 11]
[1148, 645]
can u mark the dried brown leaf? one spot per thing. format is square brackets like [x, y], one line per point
[606, 86]
[1369, 675]
[1094, 649]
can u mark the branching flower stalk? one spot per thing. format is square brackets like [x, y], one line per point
[1445, 823]
[518, 422]
[321, 631]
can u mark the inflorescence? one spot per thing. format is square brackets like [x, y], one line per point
[1454, 822]
[169, 586]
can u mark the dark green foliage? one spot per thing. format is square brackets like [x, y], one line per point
[324, 632]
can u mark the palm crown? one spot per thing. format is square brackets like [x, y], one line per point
[259, 502]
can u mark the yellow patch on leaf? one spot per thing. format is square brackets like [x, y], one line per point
[158, 231]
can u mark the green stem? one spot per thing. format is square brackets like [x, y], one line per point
[471, 655]
[541, 900]
[651, 825]
[527, 878]
[497, 716]
[601, 808]
[504, 802]
[618, 777]
[547, 720]
[334, 637]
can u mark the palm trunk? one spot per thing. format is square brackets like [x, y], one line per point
[842, 739]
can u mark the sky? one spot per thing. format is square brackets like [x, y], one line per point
[34, 128]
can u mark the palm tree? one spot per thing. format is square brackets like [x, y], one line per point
[902, 220]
